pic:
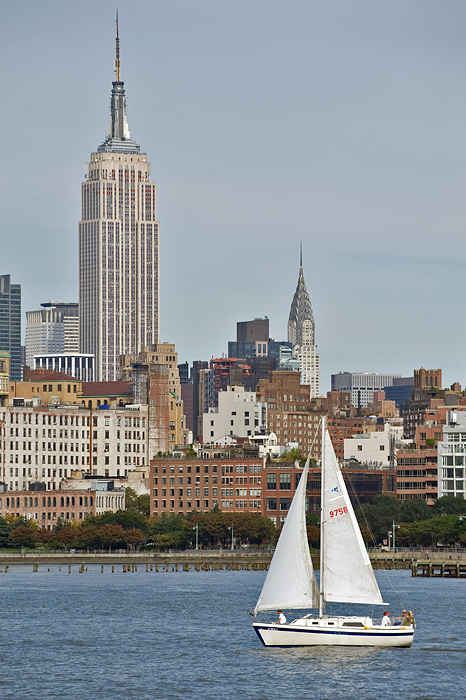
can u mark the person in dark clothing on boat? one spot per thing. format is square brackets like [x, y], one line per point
[406, 620]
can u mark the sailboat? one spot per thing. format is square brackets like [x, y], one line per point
[346, 574]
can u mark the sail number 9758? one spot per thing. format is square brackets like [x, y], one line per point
[338, 511]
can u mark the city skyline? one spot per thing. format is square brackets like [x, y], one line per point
[353, 113]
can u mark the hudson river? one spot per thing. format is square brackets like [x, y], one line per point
[187, 635]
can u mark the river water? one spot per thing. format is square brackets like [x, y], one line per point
[188, 635]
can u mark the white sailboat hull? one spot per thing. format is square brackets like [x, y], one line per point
[333, 632]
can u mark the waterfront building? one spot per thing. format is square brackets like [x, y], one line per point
[44, 509]
[452, 456]
[361, 385]
[417, 466]
[203, 483]
[53, 329]
[118, 246]
[10, 325]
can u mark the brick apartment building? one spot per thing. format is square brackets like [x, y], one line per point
[184, 485]
[289, 412]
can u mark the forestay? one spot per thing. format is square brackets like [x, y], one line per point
[290, 581]
[348, 574]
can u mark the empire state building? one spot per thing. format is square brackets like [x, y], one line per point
[118, 246]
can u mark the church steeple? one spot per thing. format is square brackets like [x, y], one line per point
[118, 136]
[301, 311]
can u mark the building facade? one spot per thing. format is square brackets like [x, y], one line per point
[452, 456]
[361, 385]
[74, 364]
[238, 414]
[10, 324]
[134, 368]
[301, 334]
[52, 329]
[118, 246]
[46, 444]
[184, 485]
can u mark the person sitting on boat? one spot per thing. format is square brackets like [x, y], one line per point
[386, 619]
[411, 618]
[406, 619]
[281, 618]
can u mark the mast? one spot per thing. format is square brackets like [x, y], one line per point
[117, 56]
[321, 577]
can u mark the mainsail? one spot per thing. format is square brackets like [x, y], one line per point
[348, 574]
[290, 581]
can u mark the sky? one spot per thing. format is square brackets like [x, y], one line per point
[340, 123]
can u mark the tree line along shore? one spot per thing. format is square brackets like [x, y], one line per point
[416, 523]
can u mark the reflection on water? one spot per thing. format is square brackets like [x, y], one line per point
[188, 635]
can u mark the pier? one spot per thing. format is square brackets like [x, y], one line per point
[439, 569]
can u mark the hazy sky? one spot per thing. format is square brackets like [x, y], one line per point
[341, 123]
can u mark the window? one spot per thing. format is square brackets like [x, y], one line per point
[272, 482]
[285, 481]
[382, 448]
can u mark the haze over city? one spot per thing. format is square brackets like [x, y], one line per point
[339, 124]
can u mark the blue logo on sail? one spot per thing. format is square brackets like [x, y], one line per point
[335, 489]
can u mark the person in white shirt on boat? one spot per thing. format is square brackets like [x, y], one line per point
[386, 619]
[281, 618]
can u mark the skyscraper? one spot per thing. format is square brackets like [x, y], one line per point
[52, 329]
[301, 310]
[118, 246]
[10, 324]
[301, 334]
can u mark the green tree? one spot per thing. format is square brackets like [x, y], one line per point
[172, 527]
[379, 515]
[291, 455]
[450, 505]
[4, 532]
[414, 509]
[141, 504]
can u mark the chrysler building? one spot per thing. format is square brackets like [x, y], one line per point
[301, 334]
[118, 246]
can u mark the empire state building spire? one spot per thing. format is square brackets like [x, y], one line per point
[118, 136]
[301, 311]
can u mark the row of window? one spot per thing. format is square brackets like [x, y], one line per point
[226, 469]
[64, 420]
[47, 501]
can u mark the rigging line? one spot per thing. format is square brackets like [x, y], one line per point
[361, 510]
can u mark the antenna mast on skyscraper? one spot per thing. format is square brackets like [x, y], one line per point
[117, 59]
